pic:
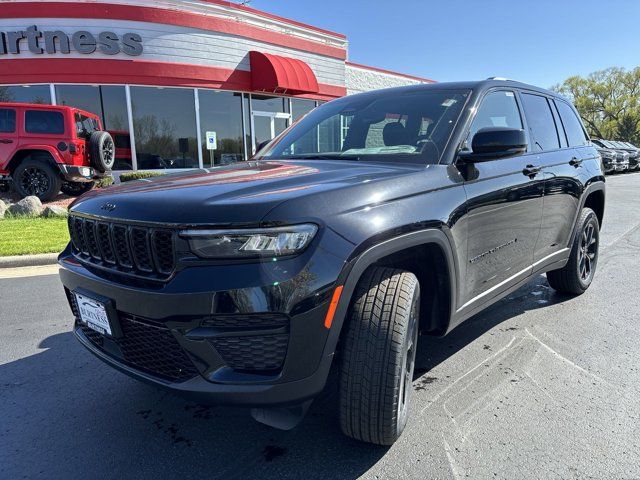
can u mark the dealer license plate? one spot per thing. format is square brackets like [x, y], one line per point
[93, 313]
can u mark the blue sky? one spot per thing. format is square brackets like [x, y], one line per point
[540, 42]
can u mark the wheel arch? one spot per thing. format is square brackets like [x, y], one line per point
[593, 197]
[46, 153]
[416, 252]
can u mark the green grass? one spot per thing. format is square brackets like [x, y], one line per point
[23, 236]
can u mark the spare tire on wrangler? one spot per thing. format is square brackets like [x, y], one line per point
[102, 151]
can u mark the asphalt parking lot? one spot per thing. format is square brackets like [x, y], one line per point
[538, 386]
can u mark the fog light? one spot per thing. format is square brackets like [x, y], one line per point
[85, 171]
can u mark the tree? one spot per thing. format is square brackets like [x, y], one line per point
[608, 102]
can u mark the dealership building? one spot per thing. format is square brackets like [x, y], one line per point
[178, 83]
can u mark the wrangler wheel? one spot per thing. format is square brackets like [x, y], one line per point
[38, 178]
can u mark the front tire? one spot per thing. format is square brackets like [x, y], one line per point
[376, 372]
[34, 177]
[576, 276]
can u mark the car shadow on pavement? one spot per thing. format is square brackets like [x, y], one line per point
[67, 415]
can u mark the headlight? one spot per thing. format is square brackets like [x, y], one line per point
[250, 243]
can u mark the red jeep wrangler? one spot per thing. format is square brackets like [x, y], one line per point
[45, 149]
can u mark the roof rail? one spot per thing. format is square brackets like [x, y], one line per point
[499, 78]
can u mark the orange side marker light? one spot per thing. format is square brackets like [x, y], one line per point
[328, 320]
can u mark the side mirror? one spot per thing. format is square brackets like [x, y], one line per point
[495, 142]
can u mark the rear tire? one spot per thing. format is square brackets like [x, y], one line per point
[36, 177]
[376, 372]
[576, 276]
[75, 189]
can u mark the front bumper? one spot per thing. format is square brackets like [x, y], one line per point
[225, 334]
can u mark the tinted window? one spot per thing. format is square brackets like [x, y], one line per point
[7, 120]
[41, 121]
[221, 113]
[572, 125]
[541, 123]
[498, 109]
[26, 94]
[164, 121]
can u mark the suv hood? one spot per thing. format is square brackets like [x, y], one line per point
[240, 194]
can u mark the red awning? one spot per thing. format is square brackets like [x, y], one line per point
[273, 73]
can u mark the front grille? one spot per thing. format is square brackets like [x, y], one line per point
[145, 346]
[137, 250]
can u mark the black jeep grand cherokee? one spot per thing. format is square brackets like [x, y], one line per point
[376, 217]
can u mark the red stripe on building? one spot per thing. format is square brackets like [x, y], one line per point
[138, 72]
[163, 16]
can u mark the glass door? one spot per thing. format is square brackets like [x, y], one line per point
[267, 125]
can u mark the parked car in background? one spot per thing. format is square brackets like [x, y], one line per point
[621, 161]
[609, 156]
[245, 284]
[633, 152]
[45, 149]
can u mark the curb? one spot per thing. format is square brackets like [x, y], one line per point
[16, 261]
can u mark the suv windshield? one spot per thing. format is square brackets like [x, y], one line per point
[85, 126]
[403, 126]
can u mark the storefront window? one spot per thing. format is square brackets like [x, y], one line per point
[110, 104]
[164, 120]
[26, 94]
[261, 103]
[221, 115]
[300, 107]
[84, 97]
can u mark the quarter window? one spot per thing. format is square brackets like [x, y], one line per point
[7, 120]
[41, 121]
[541, 122]
[572, 125]
[498, 109]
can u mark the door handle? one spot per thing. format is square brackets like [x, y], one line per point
[575, 162]
[5, 140]
[531, 170]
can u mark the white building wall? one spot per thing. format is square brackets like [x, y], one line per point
[360, 79]
[174, 44]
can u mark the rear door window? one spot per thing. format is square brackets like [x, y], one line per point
[541, 122]
[7, 120]
[44, 122]
[572, 125]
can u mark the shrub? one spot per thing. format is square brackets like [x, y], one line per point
[104, 182]
[126, 177]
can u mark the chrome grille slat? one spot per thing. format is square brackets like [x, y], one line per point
[137, 250]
